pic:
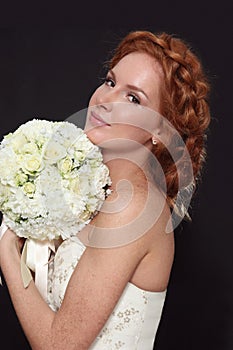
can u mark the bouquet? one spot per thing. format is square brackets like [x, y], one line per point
[52, 182]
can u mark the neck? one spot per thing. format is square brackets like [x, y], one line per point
[127, 160]
[129, 166]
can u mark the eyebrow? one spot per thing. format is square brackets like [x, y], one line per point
[130, 86]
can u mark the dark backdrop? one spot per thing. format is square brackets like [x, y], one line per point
[51, 59]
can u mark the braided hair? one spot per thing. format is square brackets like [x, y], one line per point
[183, 101]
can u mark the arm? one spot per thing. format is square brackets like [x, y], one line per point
[10, 246]
[85, 309]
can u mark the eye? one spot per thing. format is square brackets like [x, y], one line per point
[133, 98]
[109, 82]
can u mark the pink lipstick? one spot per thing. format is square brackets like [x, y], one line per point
[96, 120]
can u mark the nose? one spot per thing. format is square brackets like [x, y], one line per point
[105, 100]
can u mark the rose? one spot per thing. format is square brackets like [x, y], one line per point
[32, 164]
[54, 152]
[65, 166]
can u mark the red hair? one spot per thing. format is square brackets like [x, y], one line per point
[183, 100]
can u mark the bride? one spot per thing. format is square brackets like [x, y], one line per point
[108, 284]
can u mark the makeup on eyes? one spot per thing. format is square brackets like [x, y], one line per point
[110, 81]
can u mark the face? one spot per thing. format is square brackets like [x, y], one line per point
[125, 105]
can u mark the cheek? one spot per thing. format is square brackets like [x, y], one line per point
[137, 118]
[92, 99]
[130, 132]
[98, 136]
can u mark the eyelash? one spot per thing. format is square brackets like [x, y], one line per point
[135, 99]
[110, 82]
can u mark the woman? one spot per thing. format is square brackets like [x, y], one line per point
[109, 284]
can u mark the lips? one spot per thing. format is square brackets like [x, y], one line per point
[95, 119]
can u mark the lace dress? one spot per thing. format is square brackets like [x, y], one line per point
[134, 321]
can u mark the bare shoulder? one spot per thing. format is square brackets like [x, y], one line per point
[126, 216]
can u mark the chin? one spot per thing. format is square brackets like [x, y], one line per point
[96, 135]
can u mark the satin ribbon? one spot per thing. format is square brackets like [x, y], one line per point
[35, 257]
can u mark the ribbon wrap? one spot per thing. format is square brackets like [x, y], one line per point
[35, 257]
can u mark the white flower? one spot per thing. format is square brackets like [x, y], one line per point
[52, 179]
[53, 151]
[29, 189]
[31, 163]
[65, 165]
[20, 178]
[17, 141]
[30, 147]
[74, 185]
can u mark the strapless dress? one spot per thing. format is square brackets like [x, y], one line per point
[134, 321]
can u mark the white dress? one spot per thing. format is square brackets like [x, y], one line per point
[134, 321]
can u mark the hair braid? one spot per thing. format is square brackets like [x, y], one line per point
[186, 106]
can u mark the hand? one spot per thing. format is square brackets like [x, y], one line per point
[10, 250]
[9, 240]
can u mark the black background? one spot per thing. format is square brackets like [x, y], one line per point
[51, 58]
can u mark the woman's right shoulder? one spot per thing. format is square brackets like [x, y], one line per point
[126, 216]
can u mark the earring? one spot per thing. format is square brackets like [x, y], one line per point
[154, 142]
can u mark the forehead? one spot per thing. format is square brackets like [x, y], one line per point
[139, 63]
